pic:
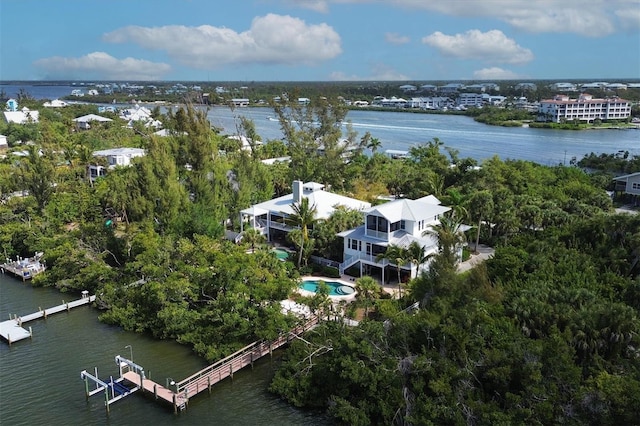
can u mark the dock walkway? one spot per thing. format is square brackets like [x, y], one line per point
[12, 330]
[212, 374]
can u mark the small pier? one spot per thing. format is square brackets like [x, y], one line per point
[12, 330]
[24, 268]
[133, 378]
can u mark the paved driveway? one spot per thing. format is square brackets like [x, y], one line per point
[484, 253]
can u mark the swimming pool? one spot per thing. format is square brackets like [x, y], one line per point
[335, 288]
[281, 254]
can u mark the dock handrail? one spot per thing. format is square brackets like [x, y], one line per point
[254, 350]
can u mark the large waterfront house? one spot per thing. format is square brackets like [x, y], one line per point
[115, 157]
[584, 108]
[23, 116]
[399, 222]
[271, 217]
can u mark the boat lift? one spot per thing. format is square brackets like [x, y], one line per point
[113, 390]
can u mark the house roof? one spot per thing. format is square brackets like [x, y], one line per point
[21, 117]
[91, 117]
[119, 151]
[325, 202]
[625, 177]
[413, 210]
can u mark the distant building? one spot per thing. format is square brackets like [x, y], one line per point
[471, 99]
[115, 157]
[83, 122]
[585, 108]
[24, 116]
[56, 103]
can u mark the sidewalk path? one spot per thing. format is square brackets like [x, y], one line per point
[484, 253]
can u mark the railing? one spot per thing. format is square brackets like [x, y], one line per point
[324, 262]
[362, 256]
[214, 373]
[281, 226]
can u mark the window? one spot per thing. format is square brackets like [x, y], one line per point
[353, 244]
[635, 185]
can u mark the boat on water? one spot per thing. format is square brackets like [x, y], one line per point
[24, 268]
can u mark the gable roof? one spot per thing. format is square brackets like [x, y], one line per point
[325, 202]
[91, 117]
[625, 177]
[412, 210]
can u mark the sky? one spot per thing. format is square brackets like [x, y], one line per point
[319, 40]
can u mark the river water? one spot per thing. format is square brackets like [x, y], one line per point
[40, 378]
[401, 130]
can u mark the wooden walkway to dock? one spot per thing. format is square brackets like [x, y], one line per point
[214, 373]
[12, 330]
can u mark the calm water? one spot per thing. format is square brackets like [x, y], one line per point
[401, 130]
[40, 378]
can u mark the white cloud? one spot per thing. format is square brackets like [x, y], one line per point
[317, 5]
[272, 39]
[394, 38]
[492, 46]
[103, 66]
[379, 72]
[630, 18]
[495, 73]
[590, 18]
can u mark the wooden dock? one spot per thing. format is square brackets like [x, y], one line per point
[208, 376]
[12, 330]
[24, 269]
[214, 373]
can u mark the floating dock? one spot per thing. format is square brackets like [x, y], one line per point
[24, 268]
[12, 330]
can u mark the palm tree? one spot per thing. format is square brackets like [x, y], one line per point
[252, 237]
[397, 255]
[303, 216]
[450, 236]
[482, 203]
[367, 289]
[374, 144]
[416, 254]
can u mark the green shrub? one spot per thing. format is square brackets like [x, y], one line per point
[331, 272]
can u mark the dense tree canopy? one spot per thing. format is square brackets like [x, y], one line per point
[546, 332]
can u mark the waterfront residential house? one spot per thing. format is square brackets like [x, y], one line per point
[56, 103]
[83, 122]
[399, 222]
[630, 185]
[584, 108]
[114, 157]
[271, 217]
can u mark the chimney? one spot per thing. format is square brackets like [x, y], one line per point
[297, 191]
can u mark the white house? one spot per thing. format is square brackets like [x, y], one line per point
[271, 217]
[139, 113]
[4, 144]
[83, 121]
[56, 103]
[25, 115]
[115, 157]
[398, 222]
[629, 184]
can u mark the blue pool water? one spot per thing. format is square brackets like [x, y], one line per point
[335, 288]
[281, 254]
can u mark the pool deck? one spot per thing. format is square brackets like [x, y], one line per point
[348, 297]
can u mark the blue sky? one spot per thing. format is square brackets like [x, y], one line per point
[319, 40]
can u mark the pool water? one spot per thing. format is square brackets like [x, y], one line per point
[281, 254]
[335, 288]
